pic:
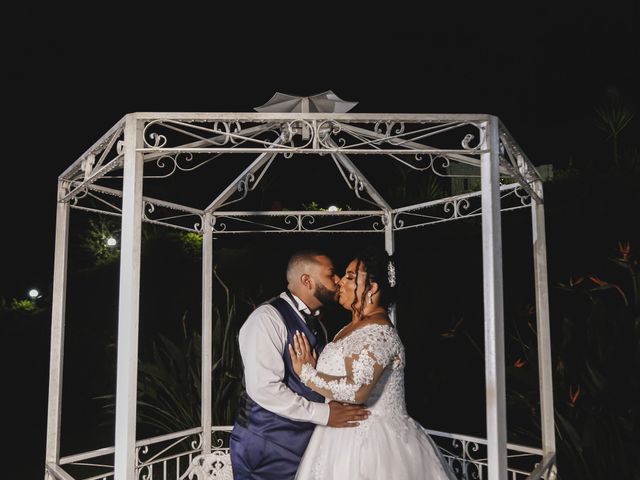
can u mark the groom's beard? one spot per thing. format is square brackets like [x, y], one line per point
[324, 295]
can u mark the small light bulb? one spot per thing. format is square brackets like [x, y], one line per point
[33, 293]
[111, 242]
[333, 208]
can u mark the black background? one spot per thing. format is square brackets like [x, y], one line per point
[541, 70]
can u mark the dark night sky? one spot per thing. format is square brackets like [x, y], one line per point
[541, 71]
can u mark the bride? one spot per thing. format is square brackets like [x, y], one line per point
[365, 364]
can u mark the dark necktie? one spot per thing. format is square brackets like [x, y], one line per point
[312, 322]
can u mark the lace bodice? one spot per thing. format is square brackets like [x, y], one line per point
[366, 366]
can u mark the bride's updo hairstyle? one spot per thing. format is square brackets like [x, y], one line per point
[380, 268]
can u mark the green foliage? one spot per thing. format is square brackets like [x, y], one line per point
[26, 306]
[95, 241]
[315, 206]
[595, 321]
[192, 243]
[169, 383]
[226, 372]
[613, 115]
[596, 358]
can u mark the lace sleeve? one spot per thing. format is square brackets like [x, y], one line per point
[368, 354]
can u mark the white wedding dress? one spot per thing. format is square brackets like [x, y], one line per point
[389, 444]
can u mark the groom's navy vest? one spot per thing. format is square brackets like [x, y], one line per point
[289, 434]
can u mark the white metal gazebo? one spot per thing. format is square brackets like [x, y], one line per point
[108, 179]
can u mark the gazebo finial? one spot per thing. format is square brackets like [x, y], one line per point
[325, 102]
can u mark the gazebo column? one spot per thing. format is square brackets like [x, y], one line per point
[207, 311]
[129, 302]
[543, 329]
[57, 328]
[493, 304]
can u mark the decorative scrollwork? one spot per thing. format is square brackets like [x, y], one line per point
[141, 451]
[286, 132]
[523, 195]
[78, 196]
[358, 183]
[217, 226]
[457, 466]
[244, 185]
[146, 472]
[388, 128]
[458, 207]
[173, 162]
[294, 221]
[170, 216]
[217, 443]
[299, 127]
[460, 445]
[196, 443]
[381, 224]
[289, 154]
[397, 221]
[299, 222]
[325, 130]
[214, 465]
[445, 163]
[467, 140]
[229, 134]
[148, 208]
[471, 448]
[218, 133]
[473, 471]
[309, 219]
[159, 141]
[165, 162]
[439, 168]
[199, 226]
[454, 208]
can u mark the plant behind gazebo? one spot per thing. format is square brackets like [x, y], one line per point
[169, 383]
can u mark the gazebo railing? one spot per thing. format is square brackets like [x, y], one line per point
[171, 456]
[165, 457]
[467, 456]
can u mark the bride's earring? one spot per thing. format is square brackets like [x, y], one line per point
[369, 297]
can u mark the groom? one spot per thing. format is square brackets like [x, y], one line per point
[277, 411]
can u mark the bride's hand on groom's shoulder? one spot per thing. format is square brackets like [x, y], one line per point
[301, 352]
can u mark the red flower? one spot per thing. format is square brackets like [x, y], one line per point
[452, 331]
[625, 251]
[573, 282]
[603, 284]
[573, 396]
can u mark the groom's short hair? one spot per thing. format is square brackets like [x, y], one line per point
[299, 260]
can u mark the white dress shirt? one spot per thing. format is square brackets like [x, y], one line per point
[263, 342]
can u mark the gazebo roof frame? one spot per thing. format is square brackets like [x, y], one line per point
[138, 140]
[105, 158]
